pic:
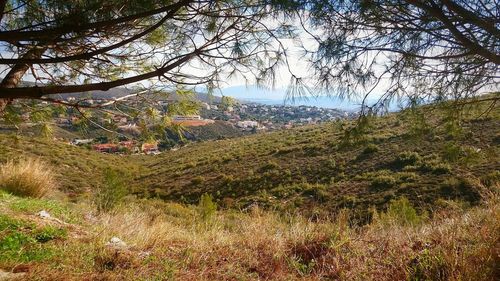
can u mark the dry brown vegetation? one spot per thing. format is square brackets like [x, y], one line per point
[167, 241]
[27, 177]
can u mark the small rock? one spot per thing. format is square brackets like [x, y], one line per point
[44, 214]
[116, 242]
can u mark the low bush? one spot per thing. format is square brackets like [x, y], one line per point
[206, 207]
[27, 178]
[411, 162]
[429, 266]
[452, 152]
[111, 192]
[285, 191]
[401, 212]
[492, 179]
[269, 166]
[406, 177]
[435, 166]
[383, 181]
[407, 158]
[197, 180]
[316, 191]
[463, 188]
[463, 154]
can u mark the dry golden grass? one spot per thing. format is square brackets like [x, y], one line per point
[171, 242]
[28, 178]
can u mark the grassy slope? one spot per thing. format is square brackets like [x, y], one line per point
[170, 241]
[310, 169]
[167, 241]
[78, 169]
[304, 169]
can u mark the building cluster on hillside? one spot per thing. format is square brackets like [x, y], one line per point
[127, 146]
[253, 116]
[245, 116]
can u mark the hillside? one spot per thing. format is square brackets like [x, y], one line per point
[311, 169]
[77, 169]
[217, 130]
[288, 205]
[154, 240]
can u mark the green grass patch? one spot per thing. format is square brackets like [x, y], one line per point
[22, 241]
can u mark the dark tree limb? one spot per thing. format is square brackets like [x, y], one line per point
[44, 34]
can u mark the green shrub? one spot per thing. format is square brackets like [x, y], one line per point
[197, 180]
[417, 122]
[465, 154]
[412, 161]
[303, 268]
[317, 191]
[428, 266]
[347, 201]
[452, 152]
[383, 181]
[401, 212]
[269, 166]
[407, 159]
[111, 191]
[226, 179]
[492, 179]
[470, 155]
[370, 148]
[407, 176]
[206, 207]
[435, 167]
[331, 163]
[460, 188]
[285, 191]
[312, 150]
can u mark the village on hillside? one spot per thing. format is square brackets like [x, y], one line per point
[247, 118]
[255, 116]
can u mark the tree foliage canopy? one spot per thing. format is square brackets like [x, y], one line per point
[436, 49]
[78, 46]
